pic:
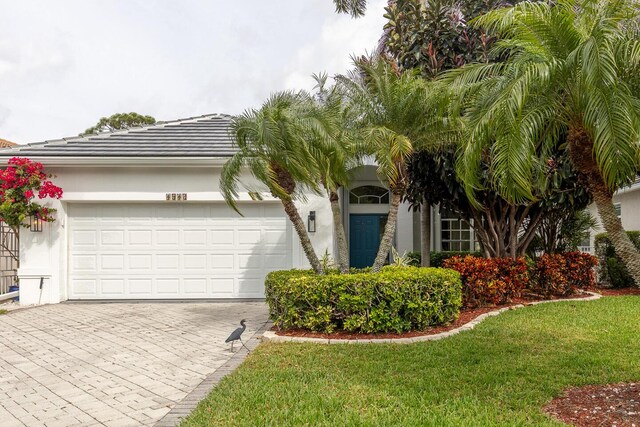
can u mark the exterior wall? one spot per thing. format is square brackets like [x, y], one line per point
[44, 255]
[629, 200]
[366, 175]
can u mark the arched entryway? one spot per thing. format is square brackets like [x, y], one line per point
[368, 210]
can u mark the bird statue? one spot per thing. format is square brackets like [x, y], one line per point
[237, 335]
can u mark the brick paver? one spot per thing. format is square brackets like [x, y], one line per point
[119, 364]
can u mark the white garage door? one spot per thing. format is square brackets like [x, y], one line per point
[166, 251]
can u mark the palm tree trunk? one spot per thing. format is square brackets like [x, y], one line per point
[341, 237]
[389, 232]
[425, 234]
[621, 242]
[581, 153]
[301, 230]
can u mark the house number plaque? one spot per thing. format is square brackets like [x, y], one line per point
[176, 197]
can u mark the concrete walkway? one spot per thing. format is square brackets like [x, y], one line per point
[120, 364]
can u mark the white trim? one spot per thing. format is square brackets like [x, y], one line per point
[50, 161]
[205, 196]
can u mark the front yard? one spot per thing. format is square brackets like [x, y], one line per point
[501, 373]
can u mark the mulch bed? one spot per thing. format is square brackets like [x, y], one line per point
[598, 405]
[465, 317]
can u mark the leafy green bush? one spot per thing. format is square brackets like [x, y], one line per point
[612, 271]
[438, 258]
[397, 299]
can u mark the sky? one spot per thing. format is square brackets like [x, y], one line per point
[66, 63]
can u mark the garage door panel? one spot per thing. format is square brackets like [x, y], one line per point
[249, 286]
[182, 251]
[84, 287]
[222, 263]
[84, 263]
[112, 286]
[195, 286]
[112, 262]
[249, 237]
[140, 287]
[140, 238]
[193, 262]
[112, 237]
[197, 238]
[168, 286]
[141, 262]
[168, 261]
[84, 238]
[112, 215]
[222, 287]
[167, 238]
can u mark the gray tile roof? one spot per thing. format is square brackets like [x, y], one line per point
[205, 136]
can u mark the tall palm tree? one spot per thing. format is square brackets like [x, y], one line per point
[568, 82]
[271, 147]
[392, 111]
[336, 154]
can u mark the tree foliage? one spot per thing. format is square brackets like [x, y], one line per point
[393, 115]
[273, 146]
[568, 82]
[120, 121]
[433, 35]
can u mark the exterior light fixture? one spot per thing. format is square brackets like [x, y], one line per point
[311, 222]
[35, 224]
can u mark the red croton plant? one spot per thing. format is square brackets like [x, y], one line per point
[20, 183]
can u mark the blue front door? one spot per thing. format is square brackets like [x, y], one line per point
[365, 231]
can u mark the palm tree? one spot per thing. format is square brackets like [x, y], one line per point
[568, 82]
[271, 147]
[355, 8]
[392, 111]
[335, 155]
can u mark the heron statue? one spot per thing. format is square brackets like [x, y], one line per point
[237, 335]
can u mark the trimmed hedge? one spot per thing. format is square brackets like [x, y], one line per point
[397, 299]
[438, 258]
[612, 271]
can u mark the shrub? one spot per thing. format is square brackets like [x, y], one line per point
[612, 271]
[562, 274]
[397, 299]
[438, 258]
[487, 281]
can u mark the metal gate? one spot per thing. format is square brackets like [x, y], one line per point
[9, 256]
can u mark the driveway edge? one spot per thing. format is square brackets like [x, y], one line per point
[183, 408]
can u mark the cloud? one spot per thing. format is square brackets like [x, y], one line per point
[340, 39]
[62, 68]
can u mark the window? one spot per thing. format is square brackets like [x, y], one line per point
[455, 231]
[369, 195]
[618, 208]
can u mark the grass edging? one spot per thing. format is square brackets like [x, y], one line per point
[273, 337]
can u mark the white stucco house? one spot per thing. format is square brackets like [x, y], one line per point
[142, 217]
[627, 204]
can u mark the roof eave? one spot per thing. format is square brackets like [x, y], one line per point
[166, 161]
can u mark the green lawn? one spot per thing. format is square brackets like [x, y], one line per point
[500, 373]
[3, 311]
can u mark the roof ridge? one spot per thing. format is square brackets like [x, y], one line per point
[161, 123]
[189, 136]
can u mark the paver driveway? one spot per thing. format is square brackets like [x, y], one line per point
[120, 364]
